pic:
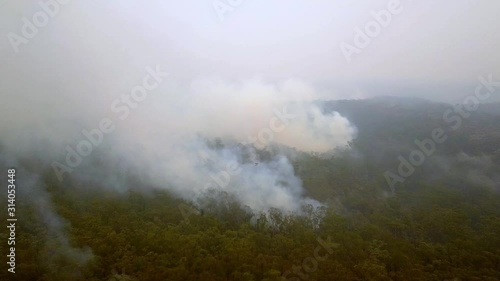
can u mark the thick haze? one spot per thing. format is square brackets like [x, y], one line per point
[200, 101]
[437, 48]
[230, 76]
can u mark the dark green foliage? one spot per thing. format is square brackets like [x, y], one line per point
[436, 233]
[438, 225]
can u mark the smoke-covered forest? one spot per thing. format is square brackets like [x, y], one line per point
[441, 223]
[237, 140]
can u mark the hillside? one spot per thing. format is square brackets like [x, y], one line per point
[441, 223]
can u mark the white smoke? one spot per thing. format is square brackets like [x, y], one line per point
[167, 141]
[165, 137]
[160, 140]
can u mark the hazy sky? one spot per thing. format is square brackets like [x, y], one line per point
[442, 46]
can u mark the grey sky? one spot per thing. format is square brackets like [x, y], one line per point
[445, 43]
